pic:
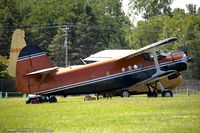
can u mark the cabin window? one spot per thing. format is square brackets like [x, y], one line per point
[135, 66]
[123, 69]
[107, 73]
[149, 56]
[129, 68]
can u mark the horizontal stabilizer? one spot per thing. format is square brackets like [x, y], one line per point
[43, 71]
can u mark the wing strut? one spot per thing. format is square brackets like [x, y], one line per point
[155, 58]
[160, 73]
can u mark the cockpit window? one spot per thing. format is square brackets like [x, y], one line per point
[149, 57]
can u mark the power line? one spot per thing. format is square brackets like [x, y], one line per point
[72, 25]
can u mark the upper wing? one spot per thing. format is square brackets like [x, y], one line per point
[119, 54]
[108, 54]
[149, 48]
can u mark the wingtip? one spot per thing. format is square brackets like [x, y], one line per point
[173, 38]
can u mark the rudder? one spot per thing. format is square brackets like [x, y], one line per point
[17, 43]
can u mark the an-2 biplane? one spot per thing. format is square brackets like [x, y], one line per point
[35, 73]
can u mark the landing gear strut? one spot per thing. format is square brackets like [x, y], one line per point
[153, 91]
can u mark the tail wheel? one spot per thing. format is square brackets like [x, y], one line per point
[125, 93]
[167, 93]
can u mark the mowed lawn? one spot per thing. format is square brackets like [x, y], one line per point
[120, 115]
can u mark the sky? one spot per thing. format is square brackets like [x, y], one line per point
[175, 4]
[182, 3]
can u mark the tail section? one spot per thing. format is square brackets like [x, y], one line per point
[17, 44]
[32, 65]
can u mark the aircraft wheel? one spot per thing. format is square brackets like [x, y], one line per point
[45, 99]
[149, 94]
[167, 93]
[34, 101]
[40, 100]
[153, 94]
[52, 99]
[125, 93]
[28, 101]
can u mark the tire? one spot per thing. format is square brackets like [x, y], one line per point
[34, 101]
[167, 93]
[152, 94]
[28, 101]
[149, 94]
[155, 93]
[45, 99]
[40, 99]
[125, 93]
[52, 99]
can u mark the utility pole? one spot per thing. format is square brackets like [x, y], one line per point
[66, 45]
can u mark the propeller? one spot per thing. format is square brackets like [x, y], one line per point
[185, 49]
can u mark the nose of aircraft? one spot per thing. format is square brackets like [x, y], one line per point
[188, 59]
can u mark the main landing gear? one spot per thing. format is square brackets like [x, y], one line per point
[153, 91]
[35, 99]
[125, 93]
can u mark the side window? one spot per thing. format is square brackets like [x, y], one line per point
[160, 54]
[149, 57]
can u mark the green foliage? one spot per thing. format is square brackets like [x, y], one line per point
[9, 18]
[93, 26]
[193, 39]
[192, 9]
[150, 8]
[184, 26]
[3, 68]
[135, 114]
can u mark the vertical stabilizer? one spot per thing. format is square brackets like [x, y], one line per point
[32, 63]
[17, 43]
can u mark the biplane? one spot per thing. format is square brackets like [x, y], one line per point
[117, 69]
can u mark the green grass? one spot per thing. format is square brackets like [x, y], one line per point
[135, 114]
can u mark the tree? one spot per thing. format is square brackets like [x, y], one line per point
[192, 9]
[93, 25]
[192, 37]
[186, 27]
[3, 68]
[113, 25]
[9, 20]
[149, 8]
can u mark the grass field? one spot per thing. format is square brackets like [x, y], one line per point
[120, 115]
